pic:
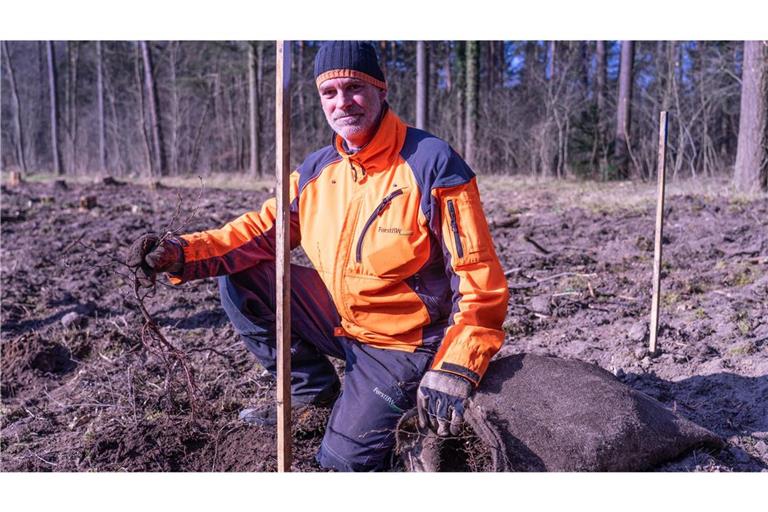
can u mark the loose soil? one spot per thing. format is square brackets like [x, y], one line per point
[80, 392]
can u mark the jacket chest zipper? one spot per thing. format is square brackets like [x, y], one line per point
[377, 212]
[455, 228]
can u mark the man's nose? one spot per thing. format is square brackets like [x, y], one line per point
[343, 100]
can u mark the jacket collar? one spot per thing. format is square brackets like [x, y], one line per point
[383, 148]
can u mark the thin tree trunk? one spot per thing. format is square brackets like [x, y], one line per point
[142, 112]
[173, 50]
[472, 101]
[432, 81]
[551, 60]
[422, 100]
[598, 151]
[41, 108]
[447, 71]
[17, 111]
[73, 57]
[531, 67]
[253, 104]
[751, 170]
[459, 84]
[300, 87]
[154, 113]
[100, 96]
[383, 57]
[58, 169]
[118, 149]
[234, 140]
[624, 109]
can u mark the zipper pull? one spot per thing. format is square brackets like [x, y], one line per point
[387, 200]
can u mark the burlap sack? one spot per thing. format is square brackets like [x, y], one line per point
[535, 413]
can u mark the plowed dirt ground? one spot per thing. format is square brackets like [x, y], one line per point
[80, 392]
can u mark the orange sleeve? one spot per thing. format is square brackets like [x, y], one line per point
[238, 245]
[480, 292]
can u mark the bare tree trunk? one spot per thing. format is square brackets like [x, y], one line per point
[119, 156]
[100, 97]
[599, 142]
[584, 61]
[551, 60]
[17, 111]
[234, 140]
[58, 169]
[459, 85]
[531, 66]
[422, 79]
[142, 112]
[472, 100]
[624, 110]
[447, 70]
[751, 170]
[383, 57]
[73, 58]
[173, 50]
[159, 165]
[253, 104]
[300, 89]
[432, 80]
[490, 81]
[260, 98]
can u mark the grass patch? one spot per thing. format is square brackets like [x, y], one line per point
[670, 298]
[743, 349]
[742, 276]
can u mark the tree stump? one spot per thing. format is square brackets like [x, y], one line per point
[109, 180]
[14, 179]
[88, 203]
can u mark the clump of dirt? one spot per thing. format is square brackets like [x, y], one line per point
[31, 357]
[418, 451]
[80, 393]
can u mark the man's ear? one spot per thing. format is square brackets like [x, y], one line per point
[382, 95]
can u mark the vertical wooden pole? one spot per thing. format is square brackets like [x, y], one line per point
[282, 256]
[661, 169]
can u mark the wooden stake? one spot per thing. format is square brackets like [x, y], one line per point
[282, 256]
[661, 168]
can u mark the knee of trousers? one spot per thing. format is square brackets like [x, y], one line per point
[337, 456]
[233, 302]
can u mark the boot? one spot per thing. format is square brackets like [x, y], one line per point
[266, 414]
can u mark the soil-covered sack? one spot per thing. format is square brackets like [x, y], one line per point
[535, 413]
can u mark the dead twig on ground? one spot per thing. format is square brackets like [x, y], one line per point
[537, 282]
[530, 240]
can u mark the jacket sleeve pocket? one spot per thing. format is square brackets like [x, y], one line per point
[465, 230]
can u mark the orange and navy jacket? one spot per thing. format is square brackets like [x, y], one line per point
[397, 233]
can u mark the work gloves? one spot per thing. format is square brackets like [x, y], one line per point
[440, 402]
[149, 256]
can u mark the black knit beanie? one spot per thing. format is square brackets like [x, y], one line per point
[348, 59]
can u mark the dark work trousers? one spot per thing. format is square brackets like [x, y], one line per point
[379, 384]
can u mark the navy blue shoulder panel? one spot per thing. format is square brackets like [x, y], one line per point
[434, 164]
[315, 163]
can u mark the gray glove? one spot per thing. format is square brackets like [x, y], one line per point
[440, 402]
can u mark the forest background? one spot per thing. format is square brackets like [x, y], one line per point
[561, 109]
